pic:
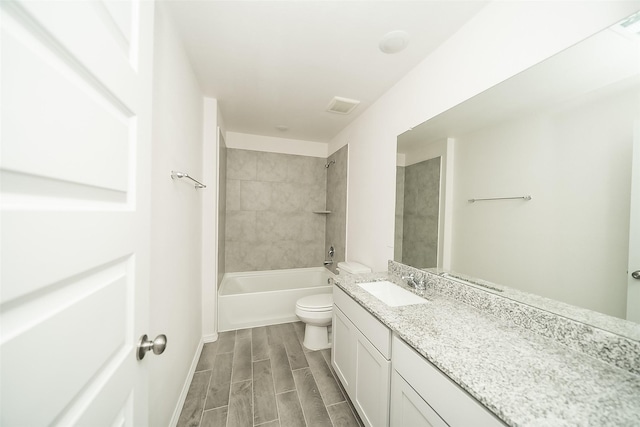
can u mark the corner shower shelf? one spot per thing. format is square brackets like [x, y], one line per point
[322, 212]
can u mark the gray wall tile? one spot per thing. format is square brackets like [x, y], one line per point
[241, 164]
[420, 213]
[241, 226]
[269, 219]
[233, 195]
[336, 221]
[271, 167]
[255, 196]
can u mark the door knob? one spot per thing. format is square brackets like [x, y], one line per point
[145, 344]
[636, 274]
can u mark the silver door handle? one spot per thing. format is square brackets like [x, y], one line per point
[145, 344]
[636, 274]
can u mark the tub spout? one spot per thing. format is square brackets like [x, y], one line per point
[328, 262]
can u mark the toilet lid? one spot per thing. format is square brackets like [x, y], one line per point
[319, 302]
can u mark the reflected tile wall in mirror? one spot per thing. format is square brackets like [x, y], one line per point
[420, 211]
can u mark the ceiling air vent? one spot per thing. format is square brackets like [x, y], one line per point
[342, 105]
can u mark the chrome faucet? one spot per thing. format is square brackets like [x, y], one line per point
[331, 252]
[419, 284]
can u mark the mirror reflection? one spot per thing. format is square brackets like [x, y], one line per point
[562, 132]
[417, 212]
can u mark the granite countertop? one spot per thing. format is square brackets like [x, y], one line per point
[522, 377]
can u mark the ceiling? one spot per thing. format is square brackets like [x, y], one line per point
[279, 63]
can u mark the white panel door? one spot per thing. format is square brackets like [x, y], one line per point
[75, 168]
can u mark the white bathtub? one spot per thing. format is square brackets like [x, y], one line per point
[259, 298]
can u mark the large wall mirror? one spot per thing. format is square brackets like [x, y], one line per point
[562, 133]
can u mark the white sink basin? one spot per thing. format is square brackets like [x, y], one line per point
[391, 294]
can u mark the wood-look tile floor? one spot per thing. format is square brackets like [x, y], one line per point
[265, 377]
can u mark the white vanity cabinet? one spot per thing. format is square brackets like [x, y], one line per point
[361, 358]
[421, 395]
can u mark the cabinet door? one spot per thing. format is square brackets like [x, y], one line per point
[344, 349]
[408, 409]
[371, 397]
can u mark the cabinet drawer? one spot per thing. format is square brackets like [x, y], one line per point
[376, 332]
[454, 405]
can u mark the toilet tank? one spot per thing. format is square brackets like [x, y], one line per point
[352, 267]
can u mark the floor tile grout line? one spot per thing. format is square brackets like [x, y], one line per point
[231, 379]
[286, 391]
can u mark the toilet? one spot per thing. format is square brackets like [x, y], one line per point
[316, 311]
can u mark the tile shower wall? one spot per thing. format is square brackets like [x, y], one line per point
[399, 223]
[270, 222]
[336, 229]
[420, 213]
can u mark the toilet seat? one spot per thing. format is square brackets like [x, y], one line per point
[319, 302]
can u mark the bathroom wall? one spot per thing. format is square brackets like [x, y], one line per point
[420, 213]
[336, 221]
[175, 289]
[270, 222]
[212, 162]
[272, 144]
[502, 40]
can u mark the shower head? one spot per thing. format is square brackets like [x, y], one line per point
[329, 164]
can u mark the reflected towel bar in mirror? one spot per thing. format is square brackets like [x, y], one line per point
[501, 198]
[176, 174]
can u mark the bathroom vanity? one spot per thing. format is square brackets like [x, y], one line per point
[469, 356]
[361, 358]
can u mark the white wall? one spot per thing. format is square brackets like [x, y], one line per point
[271, 144]
[210, 163]
[503, 39]
[175, 300]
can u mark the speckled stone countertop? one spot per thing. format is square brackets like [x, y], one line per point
[525, 378]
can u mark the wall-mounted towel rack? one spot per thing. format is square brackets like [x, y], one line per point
[176, 174]
[501, 198]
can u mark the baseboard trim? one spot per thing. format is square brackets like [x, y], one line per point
[210, 338]
[187, 384]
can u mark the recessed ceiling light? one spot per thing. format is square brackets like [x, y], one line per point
[282, 128]
[394, 41]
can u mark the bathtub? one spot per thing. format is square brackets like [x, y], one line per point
[259, 298]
